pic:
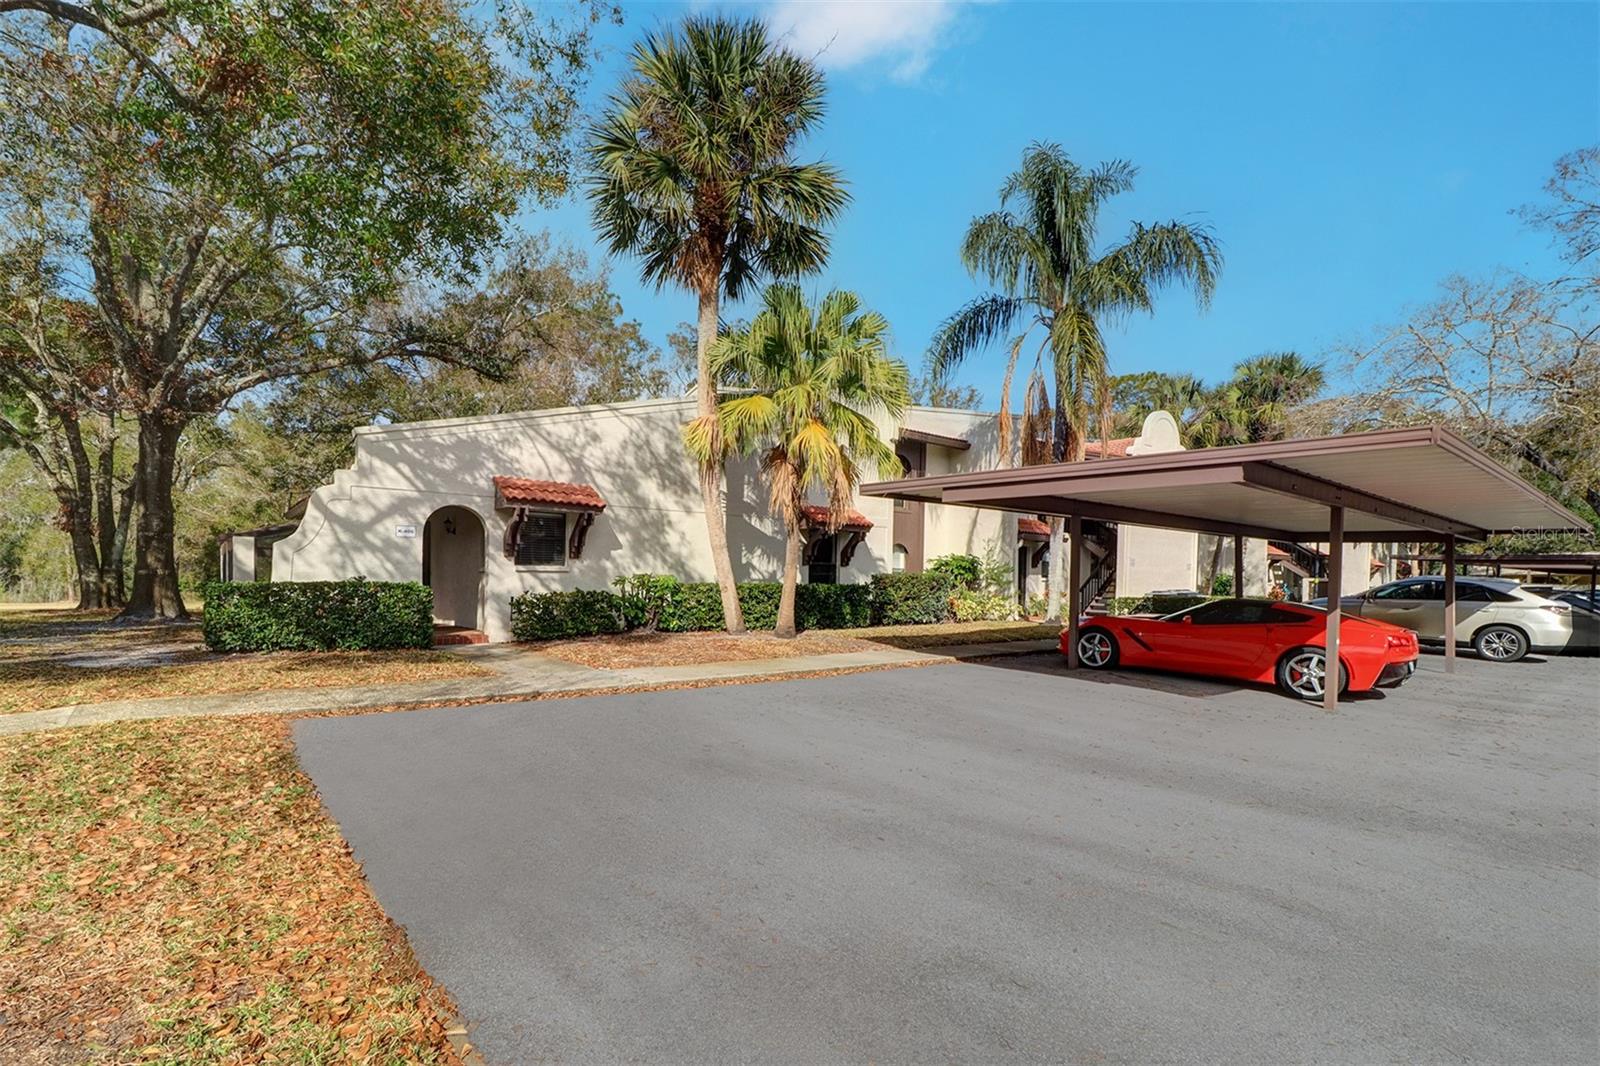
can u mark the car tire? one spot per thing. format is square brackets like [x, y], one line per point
[1302, 671]
[1097, 649]
[1500, 644]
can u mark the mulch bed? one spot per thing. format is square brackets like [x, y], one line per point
[626, 651]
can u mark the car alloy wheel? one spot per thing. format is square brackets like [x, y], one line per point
[1096, 650]
[1500, 643]
[1304, 674]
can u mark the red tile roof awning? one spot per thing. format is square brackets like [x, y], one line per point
[1032, 527]
[1116, 448]
[854, 521]
[558, 495]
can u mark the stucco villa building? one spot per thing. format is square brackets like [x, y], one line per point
[485, 508]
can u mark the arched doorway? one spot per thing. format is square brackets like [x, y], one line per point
[452, 564]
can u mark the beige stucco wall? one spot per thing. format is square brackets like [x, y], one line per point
[371, 521]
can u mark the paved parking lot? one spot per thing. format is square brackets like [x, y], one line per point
[998, 862]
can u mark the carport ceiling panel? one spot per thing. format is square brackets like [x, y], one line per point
[1220, 504]
[1432, 479]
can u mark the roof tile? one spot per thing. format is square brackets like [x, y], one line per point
[515, 491]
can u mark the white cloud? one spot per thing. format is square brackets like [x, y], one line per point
[901, 36]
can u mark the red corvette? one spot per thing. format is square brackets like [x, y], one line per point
[1253, 640]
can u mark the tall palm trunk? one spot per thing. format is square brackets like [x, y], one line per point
[791, 578]
[712, 480]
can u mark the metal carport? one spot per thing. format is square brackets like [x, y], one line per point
[1418, 484]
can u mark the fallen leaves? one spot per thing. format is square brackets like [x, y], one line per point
[37, 683]
[172, 891]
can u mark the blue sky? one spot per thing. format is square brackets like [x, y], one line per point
[1347, 156]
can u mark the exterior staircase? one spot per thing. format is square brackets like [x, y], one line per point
[1101, 583]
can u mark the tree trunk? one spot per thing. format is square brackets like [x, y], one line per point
[711, 473]
[84, 559]
[791, 578]
[1058, 569]
[155, 565]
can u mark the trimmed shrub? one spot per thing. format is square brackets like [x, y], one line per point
[969, 606]
[673, 606]
[1222, 584]
[354, 615]
[692, 606]
[1178, 602]
[1128, 605]
[911, 598]
[580, 613]
[833, 606]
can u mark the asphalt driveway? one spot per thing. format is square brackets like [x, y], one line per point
[984, 862]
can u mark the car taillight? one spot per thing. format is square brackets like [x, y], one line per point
[1401, 641]
[1556, 608]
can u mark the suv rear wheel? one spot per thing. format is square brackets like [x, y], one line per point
[1501, 644]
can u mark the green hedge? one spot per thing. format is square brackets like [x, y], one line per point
[911, 598]
[580, 613]
[317, 615]
[651, 601]
[692, 607]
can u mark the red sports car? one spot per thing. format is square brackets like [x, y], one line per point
[1253, 640]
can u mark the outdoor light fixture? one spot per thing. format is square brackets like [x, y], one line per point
[450, 525]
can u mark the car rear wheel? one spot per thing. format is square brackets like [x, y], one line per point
[1097, 649]
[1501, 644]
[1303, 674]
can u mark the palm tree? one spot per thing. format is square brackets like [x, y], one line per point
[1038, 250]
[812, 380]
[693, 171]
[1263, 392]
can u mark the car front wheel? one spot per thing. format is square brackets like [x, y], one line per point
[1501, 644]
[1303, 674]
[1097, 649]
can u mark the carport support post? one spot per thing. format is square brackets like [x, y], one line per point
[1330, 640]
[1449, 603]
[1238, 567]
[1074, 587]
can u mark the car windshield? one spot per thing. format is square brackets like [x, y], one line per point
[1239, 612]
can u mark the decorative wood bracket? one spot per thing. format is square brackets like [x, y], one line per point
[850, 545]
[513, 528]
[580, 533]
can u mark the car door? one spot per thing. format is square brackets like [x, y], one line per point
[1228, 636]
[1417, 605]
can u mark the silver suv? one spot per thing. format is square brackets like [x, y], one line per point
[1495, 616]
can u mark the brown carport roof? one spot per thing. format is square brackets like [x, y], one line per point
[1421, 483]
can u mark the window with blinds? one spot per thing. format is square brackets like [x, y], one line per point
[542, 540]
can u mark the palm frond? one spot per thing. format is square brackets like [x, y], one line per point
[975, 326]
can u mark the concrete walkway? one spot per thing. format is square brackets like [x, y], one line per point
[518, 673]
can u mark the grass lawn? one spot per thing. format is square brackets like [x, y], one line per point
[171, 891]
[62, 658]
[626, 651]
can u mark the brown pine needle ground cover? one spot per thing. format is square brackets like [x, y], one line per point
[173, 892]
[34, 684]
[60, 658]
[626, 651]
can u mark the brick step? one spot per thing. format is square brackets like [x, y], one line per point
[444, 635]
